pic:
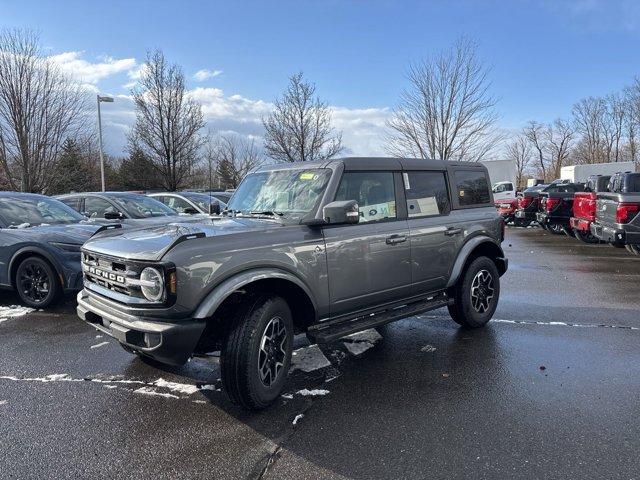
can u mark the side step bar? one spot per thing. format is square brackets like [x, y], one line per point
[330, 333]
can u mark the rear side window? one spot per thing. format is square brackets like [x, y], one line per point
[634, 183]
[73, 202]
[426, 193]
[472, 187]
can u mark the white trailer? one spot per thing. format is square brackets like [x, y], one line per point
[580, 173]
[502, 174]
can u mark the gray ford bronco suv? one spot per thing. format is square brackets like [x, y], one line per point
[323, 248]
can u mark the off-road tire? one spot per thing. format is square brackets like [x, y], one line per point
[585, 237]
[462, 311]
[32, 270]
[633, 249]
[241, 352]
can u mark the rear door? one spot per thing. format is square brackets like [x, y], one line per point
[369, 262]
[433, 233]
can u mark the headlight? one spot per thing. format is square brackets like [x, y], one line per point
[152, 284]
[67, 247]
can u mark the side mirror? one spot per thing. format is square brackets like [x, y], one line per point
[190, 211]
[337, 213]
[113, 215]
[214, 208]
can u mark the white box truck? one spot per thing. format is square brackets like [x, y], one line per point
[502, 174]
[581, 173]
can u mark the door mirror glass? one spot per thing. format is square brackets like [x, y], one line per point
[214, 208]
[341, 212]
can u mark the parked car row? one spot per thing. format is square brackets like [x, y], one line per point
[41, 237]
[603, 210]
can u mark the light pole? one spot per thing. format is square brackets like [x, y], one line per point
[108, 100]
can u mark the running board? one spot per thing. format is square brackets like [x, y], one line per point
[330, 333]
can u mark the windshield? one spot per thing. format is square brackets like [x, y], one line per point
[26, 212]
[139, 206]
[288, 192]
[202, 200]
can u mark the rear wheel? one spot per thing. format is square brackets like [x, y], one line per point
[555, 229]
[256, 354]
[521, 222]
[476, 294]
[585, 237]
[568, 231]
[37, 283]
[633, 248]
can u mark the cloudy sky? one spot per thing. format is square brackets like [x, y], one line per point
[237, 56]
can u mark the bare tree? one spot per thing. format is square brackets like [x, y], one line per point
[534, 132]
[40, 108]
[559, 136]
[589, 117]
[234, 156]
[299, 128]
[519, 151]
[167, 121]
[447, 111]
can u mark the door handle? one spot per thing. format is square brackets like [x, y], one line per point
[450, 232]
[394, 239]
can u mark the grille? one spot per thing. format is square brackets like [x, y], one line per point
[112, 274]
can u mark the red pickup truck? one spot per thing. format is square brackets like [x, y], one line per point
[584, 208]
[507, 209]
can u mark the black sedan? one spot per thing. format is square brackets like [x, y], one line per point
[40, 240]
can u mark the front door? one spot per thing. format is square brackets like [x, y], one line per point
[369, 263]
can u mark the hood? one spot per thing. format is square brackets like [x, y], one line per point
[152, 243]
[146, 222]
[76, 233]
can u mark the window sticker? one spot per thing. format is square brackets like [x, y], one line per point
[307, 176]
[405, 177]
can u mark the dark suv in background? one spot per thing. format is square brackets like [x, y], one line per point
[324, 248]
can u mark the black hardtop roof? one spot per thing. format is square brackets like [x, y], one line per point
[375, 163]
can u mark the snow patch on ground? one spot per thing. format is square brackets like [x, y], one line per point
[288, 396]
[428, 349]
[358, 343]
[185, 388]
[152, 391]
[13, 311]
[309, 359]
[305, 392]
[98, 345]
[298, 418]
[3, 402]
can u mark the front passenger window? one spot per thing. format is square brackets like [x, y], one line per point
[374, 192]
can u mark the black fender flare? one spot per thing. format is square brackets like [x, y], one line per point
[224, 289]
[39, 251]
[468, 248]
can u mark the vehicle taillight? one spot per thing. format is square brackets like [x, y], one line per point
[552, 203]
[524, 202]
[626, 211]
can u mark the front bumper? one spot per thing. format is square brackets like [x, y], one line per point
[167, 342]
[617, 236]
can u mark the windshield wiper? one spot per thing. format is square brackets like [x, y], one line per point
[269, 213]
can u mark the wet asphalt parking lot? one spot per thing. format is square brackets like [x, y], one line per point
[549, 389]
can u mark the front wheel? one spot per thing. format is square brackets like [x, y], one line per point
[256, 354]
[476, 294]
[585, 236]
[37, 283]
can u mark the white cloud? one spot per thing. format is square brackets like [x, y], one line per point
[204, 74]
[92, 73]
[363, 130]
